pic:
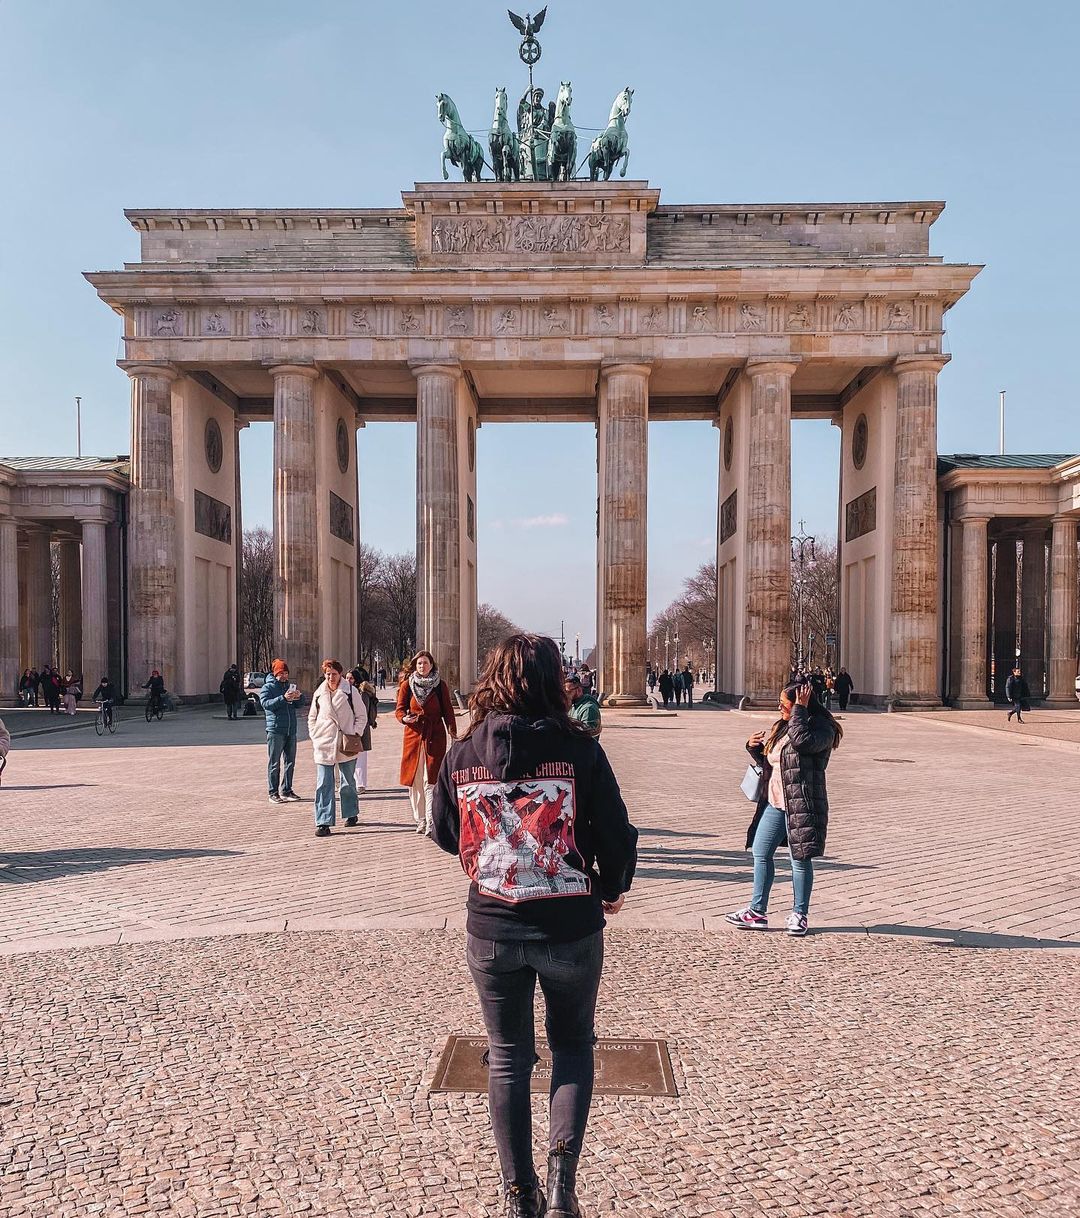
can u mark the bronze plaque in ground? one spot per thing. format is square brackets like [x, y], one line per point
[623, 1067]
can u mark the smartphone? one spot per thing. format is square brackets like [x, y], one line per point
[292, 689]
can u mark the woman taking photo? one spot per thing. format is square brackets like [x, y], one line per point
[363, 690]
[528, 802]
[793, 808]
[425, 708]
[333, 727]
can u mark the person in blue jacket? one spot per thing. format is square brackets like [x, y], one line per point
[279, 700]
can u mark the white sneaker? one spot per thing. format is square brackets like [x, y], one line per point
[796, 925]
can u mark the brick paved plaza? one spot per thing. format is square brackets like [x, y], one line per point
[916, 1055]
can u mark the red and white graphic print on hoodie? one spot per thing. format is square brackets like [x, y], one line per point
[516, 836]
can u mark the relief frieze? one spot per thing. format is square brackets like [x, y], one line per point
[531, 235]
[729, 514]
[341, 519]
[213, 518]
[860, 515]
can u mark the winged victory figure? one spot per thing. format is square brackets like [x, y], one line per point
[528, 25]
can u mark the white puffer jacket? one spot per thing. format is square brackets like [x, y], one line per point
[331, 713]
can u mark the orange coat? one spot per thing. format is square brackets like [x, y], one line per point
[428, 733]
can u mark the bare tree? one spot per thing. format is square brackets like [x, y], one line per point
[691, 617]
[54, 601]
[370, 603]
[398, 580]
[257, 597]
[492, 627]
[820, 593]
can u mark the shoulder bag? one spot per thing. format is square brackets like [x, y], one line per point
[349, 744]
[753, 783]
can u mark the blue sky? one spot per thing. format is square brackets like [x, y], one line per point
[261, 102]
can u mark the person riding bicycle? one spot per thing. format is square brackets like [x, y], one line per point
[156, 686]
[106, 695]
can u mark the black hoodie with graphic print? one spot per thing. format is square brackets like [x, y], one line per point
[535, 815]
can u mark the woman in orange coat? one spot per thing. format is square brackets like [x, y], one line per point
[424, 707]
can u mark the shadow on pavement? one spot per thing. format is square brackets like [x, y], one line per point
[47, 786]
[51, 864]
[692, 865]
[948, 938]
[672, 833]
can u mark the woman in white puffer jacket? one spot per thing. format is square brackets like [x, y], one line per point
[334, 713]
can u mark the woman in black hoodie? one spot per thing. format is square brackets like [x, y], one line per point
[528, 802]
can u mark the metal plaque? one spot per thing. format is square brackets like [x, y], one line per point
[623, 1067]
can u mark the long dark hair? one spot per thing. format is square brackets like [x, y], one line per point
[817, 711]
[523, 676]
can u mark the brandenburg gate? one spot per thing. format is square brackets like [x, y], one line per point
[534, 301]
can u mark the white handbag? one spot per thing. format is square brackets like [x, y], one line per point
[752, 783]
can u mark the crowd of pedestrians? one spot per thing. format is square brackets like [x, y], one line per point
[825, 684]
[58, 691]
[674, 687]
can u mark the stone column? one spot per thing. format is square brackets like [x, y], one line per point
[1005, 570]
[915, 592]
[768, 532]
[974, 556]
[70, 642]
[95, 608]
[624, 469]
[1033, 609]
[152, 582]
[238, 549]
[39, 598]
[296, 582]
[438, 518]
[9, 609]
[1063, 612]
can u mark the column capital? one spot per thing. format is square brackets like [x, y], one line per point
[139, 367]
[973, 519]
[308, 370]
[1062, 518]
[920, 362]
[435, 367]
[627, 367]
[762, 365]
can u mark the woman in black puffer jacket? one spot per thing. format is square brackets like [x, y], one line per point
[793, 810]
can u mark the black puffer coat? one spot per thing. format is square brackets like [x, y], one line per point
[809, 743]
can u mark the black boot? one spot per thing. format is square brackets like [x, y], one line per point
[525, 1201]
[562, 1184]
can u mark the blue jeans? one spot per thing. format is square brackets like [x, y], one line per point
[505, 974]
[769, 834]
[279, 746]
[324, 792]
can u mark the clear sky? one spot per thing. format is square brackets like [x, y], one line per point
[226, 103]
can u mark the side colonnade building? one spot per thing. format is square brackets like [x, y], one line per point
[530, 302]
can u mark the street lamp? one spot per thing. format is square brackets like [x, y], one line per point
[667, 644]
[802, 552]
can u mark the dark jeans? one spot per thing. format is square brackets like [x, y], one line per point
[505, 974]
[279, 746]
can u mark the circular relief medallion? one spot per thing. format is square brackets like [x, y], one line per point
[215, 449]
[859, 439]
[729, 441]
[472, 445]
[342, 446]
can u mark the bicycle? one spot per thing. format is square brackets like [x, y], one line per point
[155, 707]
[105, 719]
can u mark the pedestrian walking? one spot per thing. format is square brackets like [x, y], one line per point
[843, 685]
[51, 688]
[28, 688]
[688, 687]
[1017, 694]
[360, 680]
[382, 678]
[584, 708]
[652, 682]
[677, 685]
[793, 804]
[334, 724]
[279, 700]
[529, 803]
[667, 687]
[232, 691]
[425, 709]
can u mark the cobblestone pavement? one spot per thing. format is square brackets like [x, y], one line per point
[939, 830]
[287, 1074]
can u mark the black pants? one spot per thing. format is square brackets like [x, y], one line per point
[505, 974]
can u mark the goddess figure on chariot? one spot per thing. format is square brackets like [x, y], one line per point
[534, 121]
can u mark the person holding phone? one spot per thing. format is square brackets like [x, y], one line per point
[793, 810]
[279, 699]
[426, 710]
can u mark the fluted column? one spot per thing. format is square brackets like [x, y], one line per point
[9, 608]
[39, 598]
[1063, 611]
[151, 533]
[95, 610]
[438, 518]
[238, 549]
[914, 642]
[623, 540]
[974, 555]
[70, 642]
[296, 582]
[1033, 609]
[768, 531]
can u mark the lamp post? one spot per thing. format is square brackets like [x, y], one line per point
[577, 648]
[667, 644]
[802, 551]
[676, 644]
